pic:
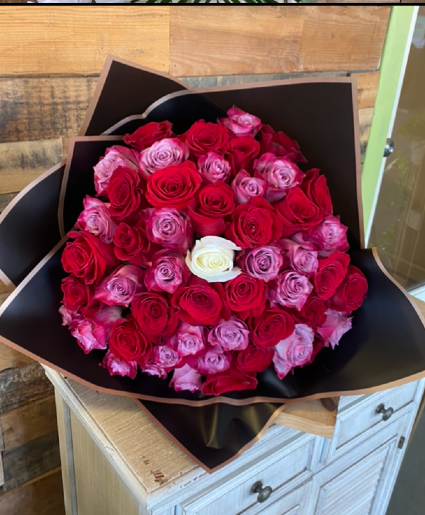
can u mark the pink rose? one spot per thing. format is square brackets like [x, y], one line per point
[213, 167]
[246, 187]
[93, 333]
[153, 369]
[280, 144]
[330, 236]
[241, 123]
[294, 351]
[169, 227]
[96, 219]
[232, 334]
[334, 327]
[186, 378]
[189, 340]
[302, 257]
[115, 157]
[262, 263]
[163, 153]
[69, 316]
[118, 366]
[214, 360]
[165, 357]
[167, 272]
[291, 290]
[120, 287]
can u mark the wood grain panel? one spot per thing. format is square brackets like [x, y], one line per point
[10, 358]
[367, 87]
[217, 41]
[4, 201]
[74, 39]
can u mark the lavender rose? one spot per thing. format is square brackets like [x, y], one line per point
[291, 290]
[189, 340]
[262, 263]
[281, 175]
[186, 378]
[163, 153]
[120, 287]
[232, 334]
[214, 360]
[96, 219]
[165, 357]
[169, 227]
[246, 187]
[213, 167]
[241, 123]
[330, 236]
[335, 326]
[115, 157]
[294, 351]
[118, 366]
[302, 257]
[167, 272]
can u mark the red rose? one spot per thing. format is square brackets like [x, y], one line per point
[205, 137]
[330, 274]
[87, 257]
[145, 136]
[200, 302]
[254, 224]
[313, 311]
[128, 342]
[254, 359]
[297, 212]
[125, 192]
[173, 186]
[214, 203]
[154, 314]
[281, 145]
[131, 243]
[78, 295]
[272, 326]
[231, 380]
[242, 151]
[351, 293]
[245, 295]
[315, 188]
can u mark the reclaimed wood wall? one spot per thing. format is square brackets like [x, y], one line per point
[50, 59]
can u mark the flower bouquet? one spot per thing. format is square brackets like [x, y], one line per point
[197, 257]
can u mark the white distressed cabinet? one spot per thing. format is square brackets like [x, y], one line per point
[115, 461]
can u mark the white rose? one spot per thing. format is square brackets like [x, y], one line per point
[212, 259]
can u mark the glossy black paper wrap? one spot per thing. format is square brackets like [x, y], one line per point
[385, 347]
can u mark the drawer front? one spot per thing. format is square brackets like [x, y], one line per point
[361, 419]
[292, 503]
[282, 470]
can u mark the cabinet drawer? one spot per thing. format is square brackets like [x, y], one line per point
[292, 503]
[233, 495]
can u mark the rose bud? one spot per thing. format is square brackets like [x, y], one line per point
[315, 188]
[330, 274]
[211, 209]
[148, 134]
[204, 137]
[245, 296]
[335, 326]
[212, 259]
[165, 357]
[262, 263]
[186, 378]
[213, 167]
[254, 359]
[87, 257]
[167, 152]
[302, 257]
[125, 193]
[96, 219]
[270, 327]
[294, 351]
[245, 187]
[167, 272]
[214, 360]
[190, 340]
[281, 174]
[119, 366]
[115, 157]
[128, 342]
[169, 228]
[351, 293]
[93, 333]
[154, 314]
[280, 145]
[232, 334]
[241, 153]
[132, 244]
[291, 289]
[241, 123]
[120, 287]
[232, 380]
[330, 236]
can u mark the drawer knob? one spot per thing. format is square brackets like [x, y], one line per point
[386, 413]
[263, 493]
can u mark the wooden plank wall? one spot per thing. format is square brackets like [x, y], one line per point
[49, 63]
